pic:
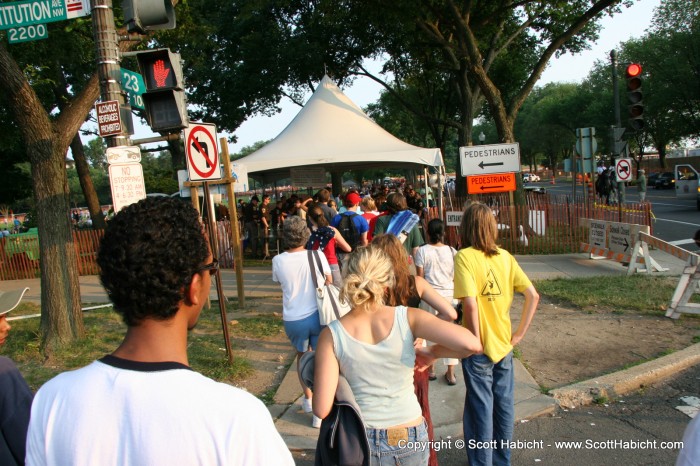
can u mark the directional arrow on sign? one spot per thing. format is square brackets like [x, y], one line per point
[203, 149]
[482, 164]
[491, 187]
[627, 244]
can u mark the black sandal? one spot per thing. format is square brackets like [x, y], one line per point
[432, 376]
[452, 381]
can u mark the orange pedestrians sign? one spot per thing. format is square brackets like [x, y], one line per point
[494, 183]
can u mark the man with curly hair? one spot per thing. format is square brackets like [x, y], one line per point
[143, 404]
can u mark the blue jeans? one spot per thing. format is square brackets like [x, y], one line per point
[411, 451]
[489, 413]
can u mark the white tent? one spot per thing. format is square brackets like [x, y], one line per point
[334, 133]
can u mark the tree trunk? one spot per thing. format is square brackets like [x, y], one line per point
[83, 169]
[47, 141]
[61, 316]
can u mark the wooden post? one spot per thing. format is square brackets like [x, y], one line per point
[194, 196]
[219, 286]
[235, 232]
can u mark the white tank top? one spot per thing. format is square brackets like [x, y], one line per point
[380, 375]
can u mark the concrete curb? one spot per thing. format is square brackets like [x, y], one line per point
[625, 381]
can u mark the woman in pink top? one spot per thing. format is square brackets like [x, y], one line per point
[326, 238]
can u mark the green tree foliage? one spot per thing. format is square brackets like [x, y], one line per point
[670, 57]
[157, 173]
[96, 153]
[100, 180]
[492, 50]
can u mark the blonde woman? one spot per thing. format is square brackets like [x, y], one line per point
[372, 346]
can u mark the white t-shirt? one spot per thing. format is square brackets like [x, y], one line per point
[292, 272]
[120, 412]
[438, 266]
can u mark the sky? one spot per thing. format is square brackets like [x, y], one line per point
[631, 22]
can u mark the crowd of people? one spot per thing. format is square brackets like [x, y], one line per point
[143, 404]
[262, 217]
[387, 344]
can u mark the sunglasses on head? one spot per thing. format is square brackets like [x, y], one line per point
[211, 267]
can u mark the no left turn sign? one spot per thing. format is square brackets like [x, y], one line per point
[202, 152]
[623, 169]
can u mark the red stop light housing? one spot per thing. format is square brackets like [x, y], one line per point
[633, 73]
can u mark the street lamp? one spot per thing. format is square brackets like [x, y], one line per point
[482, 138]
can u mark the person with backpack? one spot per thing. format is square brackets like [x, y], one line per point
[328, 239]
[352, 226]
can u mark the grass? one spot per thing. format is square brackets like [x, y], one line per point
[105, 331]
[258, 327]
[637, 293]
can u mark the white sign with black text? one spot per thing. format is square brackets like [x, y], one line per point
[487, 159]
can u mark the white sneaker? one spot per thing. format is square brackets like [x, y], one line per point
[316, 422]
[306, 405]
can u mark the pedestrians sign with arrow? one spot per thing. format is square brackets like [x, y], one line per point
[487, 159]
[497, 183]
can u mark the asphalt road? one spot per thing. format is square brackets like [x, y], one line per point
[676, 220]
[640, 429]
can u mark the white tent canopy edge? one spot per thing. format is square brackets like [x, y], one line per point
[333, 132]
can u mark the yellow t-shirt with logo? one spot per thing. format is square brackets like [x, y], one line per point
[492, 281]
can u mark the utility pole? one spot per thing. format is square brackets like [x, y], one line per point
[108, 65]
[618, 124]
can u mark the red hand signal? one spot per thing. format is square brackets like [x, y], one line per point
[160, 72]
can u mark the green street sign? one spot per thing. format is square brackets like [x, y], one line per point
[133, 85]
[18, 14]
[27, 33]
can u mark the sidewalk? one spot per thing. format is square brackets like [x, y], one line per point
[446, 402]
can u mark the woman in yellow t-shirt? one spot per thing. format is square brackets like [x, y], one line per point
[486, 277]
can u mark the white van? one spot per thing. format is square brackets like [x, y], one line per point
[687, 183]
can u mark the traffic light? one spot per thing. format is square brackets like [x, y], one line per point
[164, 99]
[148, 15]
[634, 96]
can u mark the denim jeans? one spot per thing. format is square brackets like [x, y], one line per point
[489, 413]
[413, 451]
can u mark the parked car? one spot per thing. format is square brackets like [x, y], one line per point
[651, 179]
[666, 180]
[530, 178]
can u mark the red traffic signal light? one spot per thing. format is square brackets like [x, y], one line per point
[633, 73]
[633, 70]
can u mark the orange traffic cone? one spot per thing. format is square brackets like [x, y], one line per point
[553, 181]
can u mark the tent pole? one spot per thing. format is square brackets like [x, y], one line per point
[441, 188]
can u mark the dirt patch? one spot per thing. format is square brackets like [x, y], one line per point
[563, 345]
[270, 356]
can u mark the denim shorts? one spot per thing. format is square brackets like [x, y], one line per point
[410, 447]
[304, 332]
